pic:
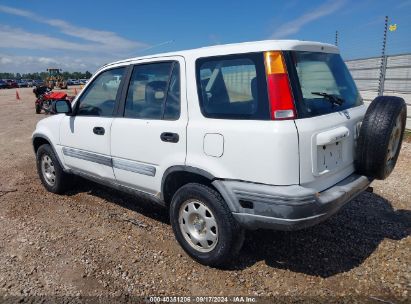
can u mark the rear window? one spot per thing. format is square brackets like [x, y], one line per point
[320, 73]
[232, 87]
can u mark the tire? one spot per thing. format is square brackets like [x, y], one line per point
[38, 109]
[56, 181]
[229, 236]
[380, 138]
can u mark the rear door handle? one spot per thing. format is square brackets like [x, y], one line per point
[169, 137]
[99, 130]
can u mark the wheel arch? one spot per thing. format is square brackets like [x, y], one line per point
[41, 139]
[177, 176]
[38, 140]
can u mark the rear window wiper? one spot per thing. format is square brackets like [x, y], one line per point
[335, 100]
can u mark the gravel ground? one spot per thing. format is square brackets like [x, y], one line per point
[94, 241]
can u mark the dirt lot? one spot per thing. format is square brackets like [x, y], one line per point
[94, 241]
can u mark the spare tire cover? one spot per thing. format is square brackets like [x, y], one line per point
[380, 137]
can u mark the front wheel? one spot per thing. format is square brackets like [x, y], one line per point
[52, 176]
[204, 226]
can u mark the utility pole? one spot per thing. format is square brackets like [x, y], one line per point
[383, 65]
[336, 38]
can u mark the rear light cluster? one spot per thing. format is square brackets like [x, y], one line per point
[279, 91]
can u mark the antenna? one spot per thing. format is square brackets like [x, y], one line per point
[151, 47]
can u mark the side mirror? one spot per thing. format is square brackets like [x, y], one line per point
[62, 106]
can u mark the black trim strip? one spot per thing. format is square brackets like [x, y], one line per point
[92, 157]
[122, 164]
[133, 166]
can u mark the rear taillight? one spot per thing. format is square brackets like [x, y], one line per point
[279, 90]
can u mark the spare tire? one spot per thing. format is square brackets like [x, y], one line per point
[380, 137]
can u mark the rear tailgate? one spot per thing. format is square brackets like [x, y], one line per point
[327, 146]
[330, 111]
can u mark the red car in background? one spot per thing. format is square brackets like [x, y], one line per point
[11, 84]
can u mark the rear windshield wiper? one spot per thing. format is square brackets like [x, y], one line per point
[335, 100]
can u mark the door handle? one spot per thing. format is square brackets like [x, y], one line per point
[99, 130]
[169, 137]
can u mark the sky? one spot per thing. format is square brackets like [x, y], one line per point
[83, 35]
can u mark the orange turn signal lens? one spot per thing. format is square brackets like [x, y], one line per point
[274, 63]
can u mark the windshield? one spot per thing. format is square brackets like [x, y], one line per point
[325, 82]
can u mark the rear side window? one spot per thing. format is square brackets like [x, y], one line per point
[232, 87]
[323, 73]
[154, 92]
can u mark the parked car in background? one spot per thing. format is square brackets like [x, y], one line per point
[269, 134]
[115, 80]
[83, 81]
[30, 82]
[22, 83]
[11, 83]
[37, 83]
[3, 84]
[73, 82]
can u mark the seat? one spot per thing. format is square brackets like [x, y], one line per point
[154, 96]
[155, 91]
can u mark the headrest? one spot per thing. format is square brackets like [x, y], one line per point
[155, 91]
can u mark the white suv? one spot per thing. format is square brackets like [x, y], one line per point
[254, 135]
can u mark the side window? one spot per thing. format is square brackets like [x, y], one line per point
[154, 92]
[232, 87]
[100, 97]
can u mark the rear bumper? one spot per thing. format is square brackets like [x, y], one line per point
[287, 207]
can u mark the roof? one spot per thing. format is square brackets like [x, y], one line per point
[244, 47]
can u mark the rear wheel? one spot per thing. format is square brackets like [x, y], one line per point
[204, 226]
[381, 134]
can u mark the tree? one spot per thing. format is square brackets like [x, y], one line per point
[44, 75]
[6, 75]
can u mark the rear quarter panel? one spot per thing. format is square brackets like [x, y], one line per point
[253, 150]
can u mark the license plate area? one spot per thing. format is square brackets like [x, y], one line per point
[329, 157]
